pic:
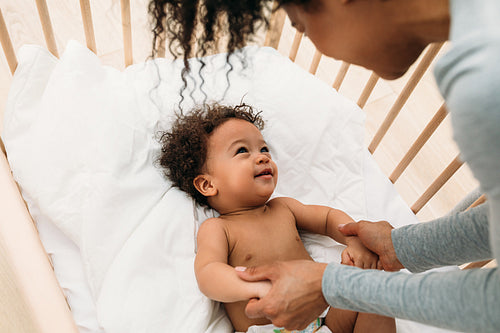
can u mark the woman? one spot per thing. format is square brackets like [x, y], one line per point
[387, 37]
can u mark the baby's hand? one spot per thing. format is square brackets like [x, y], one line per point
[356, 254]
[261, 288]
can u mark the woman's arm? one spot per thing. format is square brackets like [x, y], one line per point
[464, 300]
[449, 240]
[216, 279]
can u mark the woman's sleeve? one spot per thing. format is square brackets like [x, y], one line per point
[461, 300]
[450, 240]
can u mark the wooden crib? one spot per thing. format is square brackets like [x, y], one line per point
[407, 129]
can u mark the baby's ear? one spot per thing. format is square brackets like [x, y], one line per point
[204, 185]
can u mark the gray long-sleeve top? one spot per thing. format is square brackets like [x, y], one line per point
[469, 79]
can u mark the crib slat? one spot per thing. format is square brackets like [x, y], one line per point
[2, 147]
[88, 25]
[295, 45]
[8, 50]
[276, 23]
[340, 75]
[419, 143]
[48, 31]
[477, 264]
[127, 32]
[437, 184]
[479, 201]
[315, 62]
[367, 90]
[429, 55]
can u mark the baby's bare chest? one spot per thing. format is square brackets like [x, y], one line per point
[268, 239]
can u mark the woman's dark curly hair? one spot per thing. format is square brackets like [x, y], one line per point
[193, 28]
[184, 147]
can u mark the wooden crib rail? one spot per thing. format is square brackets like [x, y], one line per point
[25, 270]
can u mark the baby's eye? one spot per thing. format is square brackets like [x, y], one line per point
[241, 150]
[264, 150]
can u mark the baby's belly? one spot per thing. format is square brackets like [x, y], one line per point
[236, 311]
[262, 254]
[260, 250]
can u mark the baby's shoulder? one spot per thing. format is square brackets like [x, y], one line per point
[213, 223]
[283, 204]
[282, 201]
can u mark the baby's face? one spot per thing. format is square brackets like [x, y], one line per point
[240, 164]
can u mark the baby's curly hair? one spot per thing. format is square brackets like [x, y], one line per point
[184, 146]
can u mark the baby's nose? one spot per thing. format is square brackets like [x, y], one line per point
[262, 158]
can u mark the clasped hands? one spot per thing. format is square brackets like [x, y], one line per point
[296, 297]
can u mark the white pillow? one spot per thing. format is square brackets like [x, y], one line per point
[80, 141]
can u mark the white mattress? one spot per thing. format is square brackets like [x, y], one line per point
[80, 141]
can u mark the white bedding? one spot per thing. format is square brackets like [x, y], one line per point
[80, 141]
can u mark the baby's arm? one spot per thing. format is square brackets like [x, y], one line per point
[318, 219]
[216, 279]
[325, 221]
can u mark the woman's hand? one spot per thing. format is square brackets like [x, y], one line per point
[376, 236]
[295, 298]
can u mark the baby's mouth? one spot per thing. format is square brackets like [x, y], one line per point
[266, 173]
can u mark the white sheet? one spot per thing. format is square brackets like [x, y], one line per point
[80, 141]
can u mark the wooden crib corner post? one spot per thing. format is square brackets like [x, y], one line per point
[30, 297]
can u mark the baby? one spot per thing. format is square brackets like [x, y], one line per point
[218, 156]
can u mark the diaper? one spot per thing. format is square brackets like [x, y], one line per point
[314, 327]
